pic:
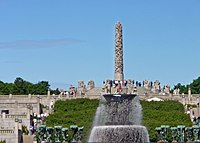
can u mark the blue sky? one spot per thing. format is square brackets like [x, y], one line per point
[69, 40]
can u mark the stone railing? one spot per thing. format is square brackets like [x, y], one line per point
[7, 131]
[13, 116]
[16, 116]
[10, 135]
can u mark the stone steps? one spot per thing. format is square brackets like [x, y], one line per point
[95, 91]
[142, 91]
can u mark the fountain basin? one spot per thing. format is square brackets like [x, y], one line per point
[119, 133]
[118, 97]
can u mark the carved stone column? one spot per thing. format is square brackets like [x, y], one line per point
[119, 75]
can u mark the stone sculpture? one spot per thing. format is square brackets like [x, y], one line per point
[164, 132]
[174, 133]
[196, 131]
[81, 87]
[156, 87]
[188, 131]
[119, 75]
[65, 134]
[166, 89]
[49, 134]
[80, 133]
[58, 133]
[74, 129]
[90, 85]
[158, 130]
[72, 90]
[147, 84]
[178, 133]
[130, 86]
[176, 91]
[42, 133]
[181, 133]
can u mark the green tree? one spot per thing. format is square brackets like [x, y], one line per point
[195, 86]
[41, 87]
[183, 88]
[19, 87]
[2, 86]
[23, 87]
[56, 92]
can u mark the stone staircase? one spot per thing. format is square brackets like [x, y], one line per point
[94, 92]
[142, 91]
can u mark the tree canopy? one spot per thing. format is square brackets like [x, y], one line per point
[23, 87]
[195, 87]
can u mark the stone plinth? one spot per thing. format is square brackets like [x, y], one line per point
[120, 134]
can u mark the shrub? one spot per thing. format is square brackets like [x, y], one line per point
[169, 113]
[25, 130]
[74, 112]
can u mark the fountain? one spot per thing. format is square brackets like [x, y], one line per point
[118, 117]
[115, 122]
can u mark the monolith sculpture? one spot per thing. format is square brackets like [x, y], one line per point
[119, 75]
[118, 117]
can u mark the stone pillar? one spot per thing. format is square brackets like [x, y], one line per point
[29, 96]
[119, 75]
[189, 94]
[31, 111]
[20, 124]
[10, 96]
[4, 115]
[48, 92]
[28, 111]
[38, 104]
[16, 131]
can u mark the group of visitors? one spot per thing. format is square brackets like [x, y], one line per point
[37, 120]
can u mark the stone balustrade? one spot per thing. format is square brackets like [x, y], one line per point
[13, 116]
[6, 131]
[16, 116]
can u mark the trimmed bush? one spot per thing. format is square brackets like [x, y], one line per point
[169, 113]
[74, 112]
